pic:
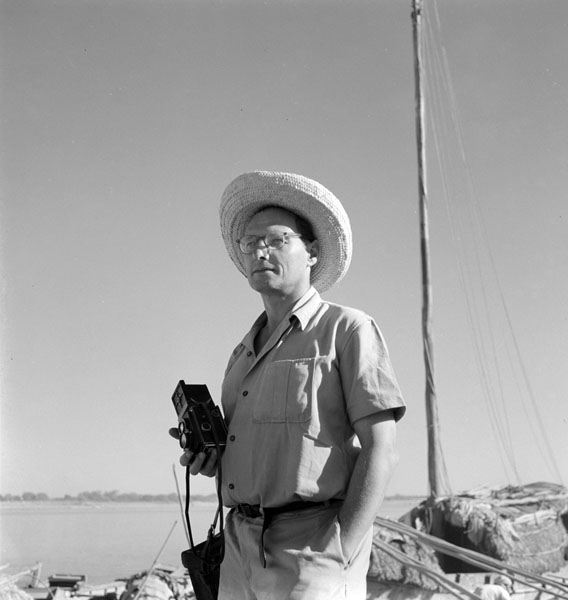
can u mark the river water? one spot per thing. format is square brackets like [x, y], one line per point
[107, 541]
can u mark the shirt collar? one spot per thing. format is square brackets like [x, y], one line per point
[305, 307]
[302, 312]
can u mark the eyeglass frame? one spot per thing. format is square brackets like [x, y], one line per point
[284, 236]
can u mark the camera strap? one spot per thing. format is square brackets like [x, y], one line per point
[218, 515]
[203, 560]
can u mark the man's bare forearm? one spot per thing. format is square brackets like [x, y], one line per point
[371, 475]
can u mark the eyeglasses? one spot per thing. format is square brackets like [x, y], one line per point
[272, 241]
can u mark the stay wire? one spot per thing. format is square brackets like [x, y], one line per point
[543, 439]
[501, 420]
[495, 401]
[440, 88]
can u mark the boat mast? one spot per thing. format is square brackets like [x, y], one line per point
[437, 475]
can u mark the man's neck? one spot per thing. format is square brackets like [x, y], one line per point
[278, 306]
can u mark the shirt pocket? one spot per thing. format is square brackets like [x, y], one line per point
[285, 395]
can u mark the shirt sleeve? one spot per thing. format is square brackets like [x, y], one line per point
[367, 377]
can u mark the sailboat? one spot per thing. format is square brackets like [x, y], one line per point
[451, 543]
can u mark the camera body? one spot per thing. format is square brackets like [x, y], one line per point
[200, 422]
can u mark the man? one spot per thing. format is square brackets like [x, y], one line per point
[500, 589]
[310, 400]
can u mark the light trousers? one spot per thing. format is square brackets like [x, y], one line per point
[304, 558]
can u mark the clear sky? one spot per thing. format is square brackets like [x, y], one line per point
[122, 122]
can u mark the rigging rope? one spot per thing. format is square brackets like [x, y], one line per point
[458, 226]
[477, 271]
[554, 587]
[450, 586]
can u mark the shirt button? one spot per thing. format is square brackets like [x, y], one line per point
[245, 393]
[232, 438]
[231, 486]
[249, 353]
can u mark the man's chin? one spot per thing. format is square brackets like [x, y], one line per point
[261, 277]
[263, 282]
[262, 287]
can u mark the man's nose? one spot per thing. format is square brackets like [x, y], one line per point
[261, 250]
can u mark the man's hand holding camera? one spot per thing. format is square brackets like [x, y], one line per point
[203, 463]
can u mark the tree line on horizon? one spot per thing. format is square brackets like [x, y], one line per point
[115, 496]
[97, 496]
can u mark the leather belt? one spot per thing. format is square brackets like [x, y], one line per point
[268, 513]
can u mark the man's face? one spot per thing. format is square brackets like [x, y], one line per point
[285, 271]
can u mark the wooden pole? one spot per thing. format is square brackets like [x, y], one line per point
[437, 475]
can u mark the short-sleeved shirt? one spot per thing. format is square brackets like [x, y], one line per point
[290, 409]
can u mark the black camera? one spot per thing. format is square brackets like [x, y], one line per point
[200, 423]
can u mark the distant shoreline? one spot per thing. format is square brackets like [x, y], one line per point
[149, 500]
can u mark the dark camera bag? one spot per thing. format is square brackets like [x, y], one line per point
[203, 563]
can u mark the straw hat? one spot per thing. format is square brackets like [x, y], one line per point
[250, 192]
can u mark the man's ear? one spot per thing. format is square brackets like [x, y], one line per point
[313, 252]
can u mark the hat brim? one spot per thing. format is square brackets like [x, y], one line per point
[250, 192]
